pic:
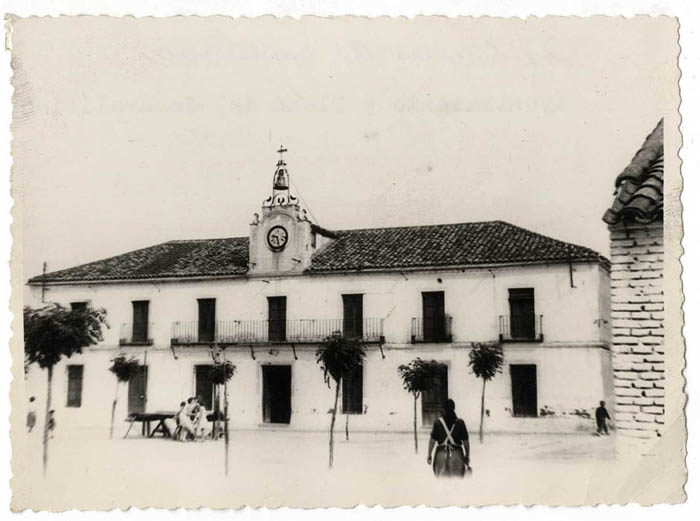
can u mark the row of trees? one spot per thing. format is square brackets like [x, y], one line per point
[339, 356]
[53, 332]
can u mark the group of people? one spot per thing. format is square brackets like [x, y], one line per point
[191, 420]
[451, 458]
[31, 417]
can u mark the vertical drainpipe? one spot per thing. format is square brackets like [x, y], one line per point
[495, 303]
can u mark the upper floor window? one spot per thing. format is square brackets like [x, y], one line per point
[206, 326]
[434, 319]
[78, 306]
[75, 386]
[522, 312]
[352, 316]
[140, 321]
[277, 319]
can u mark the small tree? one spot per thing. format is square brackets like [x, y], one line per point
[418, 377]
[221, 373]
[485, 361]
[338, 356]
[53, 332]
[123, 369]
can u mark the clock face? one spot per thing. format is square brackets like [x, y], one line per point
[277, 238]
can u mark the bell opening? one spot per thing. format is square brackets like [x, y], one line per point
[281, 180]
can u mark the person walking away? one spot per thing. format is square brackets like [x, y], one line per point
[601, 417]
[31, 414]
[452, 439]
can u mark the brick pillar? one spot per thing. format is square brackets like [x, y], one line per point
[637, 312]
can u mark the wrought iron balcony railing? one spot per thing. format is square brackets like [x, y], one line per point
[135, 334]
[435, 330]
[520, 328]
[275, 331]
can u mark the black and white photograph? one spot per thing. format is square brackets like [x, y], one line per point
[326, 262]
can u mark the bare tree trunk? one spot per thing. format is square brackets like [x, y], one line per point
[335, 409]
[217, 408]
[347, 421]
[114, 407]
[415, 422]
[481, 424]
[45, 457]
[226, 425]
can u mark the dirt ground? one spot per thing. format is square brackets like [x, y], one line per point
[284, 467]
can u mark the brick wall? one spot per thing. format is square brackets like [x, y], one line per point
[637, 313]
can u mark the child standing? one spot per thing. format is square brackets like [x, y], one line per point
[601, 417]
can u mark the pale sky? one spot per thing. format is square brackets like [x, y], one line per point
[131, 132]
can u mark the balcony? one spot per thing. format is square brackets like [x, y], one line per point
[520, 328]
[137, 334]
[301, 331]
[431, 330]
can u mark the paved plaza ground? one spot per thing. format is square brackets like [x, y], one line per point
[284, 467]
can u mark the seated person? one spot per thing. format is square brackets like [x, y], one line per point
[200, 419]
[185, 428]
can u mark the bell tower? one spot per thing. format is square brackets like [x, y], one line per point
[282, 238]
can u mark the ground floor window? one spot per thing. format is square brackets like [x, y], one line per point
[352, 392]
[433, 400]
[75, 386]
[523, 379]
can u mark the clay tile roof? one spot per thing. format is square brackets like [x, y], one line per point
[174, 259]
[466, 244]
[639, 189]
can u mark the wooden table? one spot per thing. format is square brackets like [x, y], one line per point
[146, 418]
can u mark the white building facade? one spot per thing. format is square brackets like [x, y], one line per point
[266, 301]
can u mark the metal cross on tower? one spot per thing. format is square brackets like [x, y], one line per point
[281, 151]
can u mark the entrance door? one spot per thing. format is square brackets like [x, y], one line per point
[277, 393]
[524, 384]
[137, 390]
[432, 400]
[203, 385]
[433, 316]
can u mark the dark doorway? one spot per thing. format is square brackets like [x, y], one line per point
[352, 316]
[434, 316]
[524, 384]
[137, 390]
[277, 393]
[352, 391]
[432, 400]
[140, 321]
[277, 319]
[203, 385]
[206, 328]
[522, 313]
